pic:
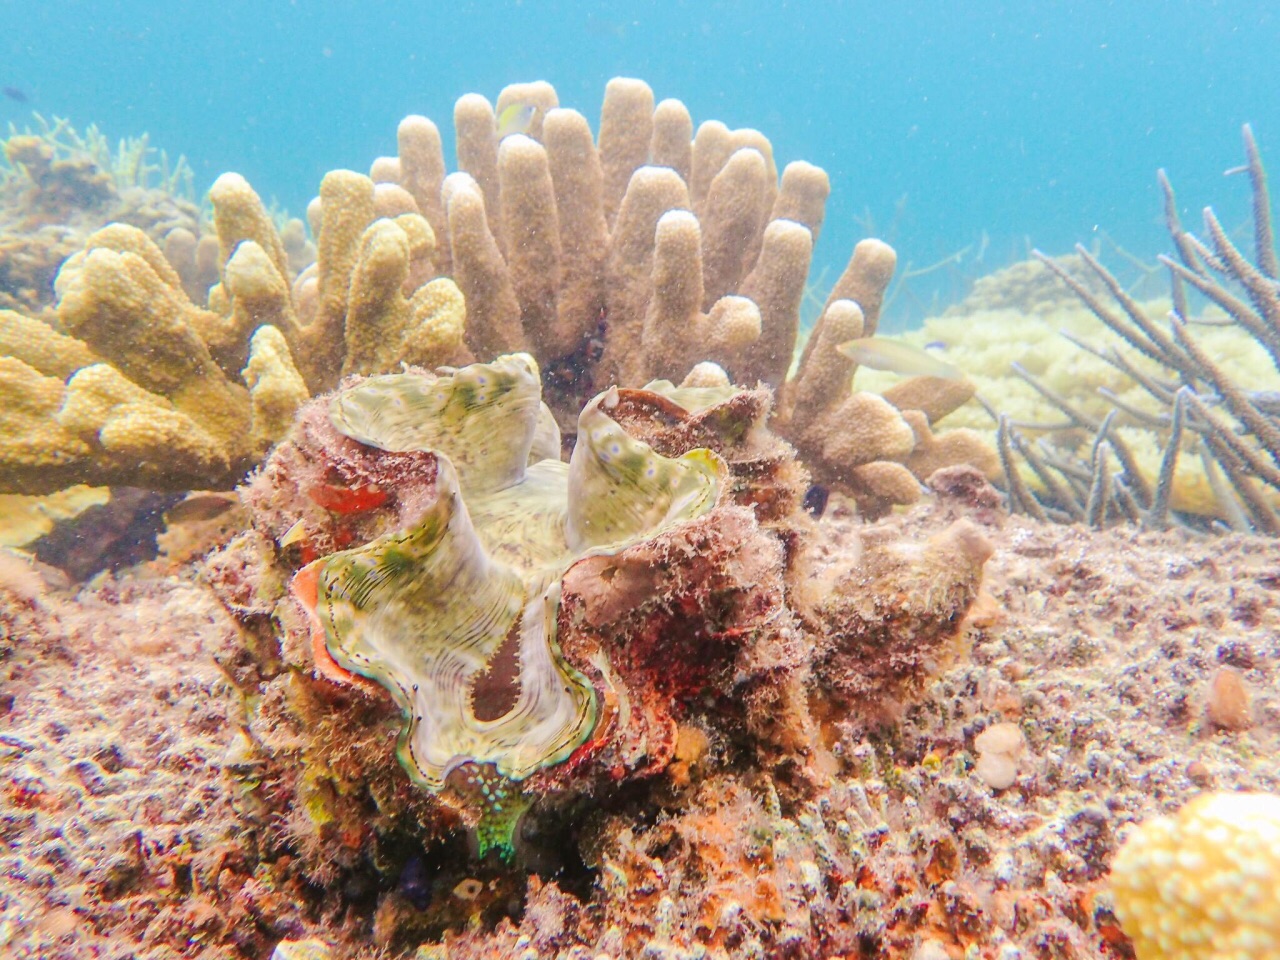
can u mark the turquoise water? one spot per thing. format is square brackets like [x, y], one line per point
[940, 123]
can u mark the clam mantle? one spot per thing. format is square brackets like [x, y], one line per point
[454, 612]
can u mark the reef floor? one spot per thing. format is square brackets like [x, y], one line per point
[1107, 677]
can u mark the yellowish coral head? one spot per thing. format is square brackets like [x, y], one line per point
[1204, 884]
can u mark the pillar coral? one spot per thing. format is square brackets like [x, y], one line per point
[634, 256]
[555, 241]
[645, 253]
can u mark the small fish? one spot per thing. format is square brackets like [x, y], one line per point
[935, 345]
[516, 118]
[15, 94]
[415, 883]
[198, 507]
[295, 534]
[815, 500]
[894, 356]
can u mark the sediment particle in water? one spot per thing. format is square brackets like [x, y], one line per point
[1227, 706]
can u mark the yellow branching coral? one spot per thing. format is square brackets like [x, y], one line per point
[150, 394]
[616, 260]
[1204, 884]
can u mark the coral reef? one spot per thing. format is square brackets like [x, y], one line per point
[879, 447]
[691, 718]
[126, 380]
[1204, 883]
[644, 256]
[1009, 336]
[58, 186]
[1195, 397]
[181, 784]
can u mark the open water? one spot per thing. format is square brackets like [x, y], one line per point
[978, 127]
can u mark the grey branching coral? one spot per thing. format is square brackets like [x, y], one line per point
[1204, 407]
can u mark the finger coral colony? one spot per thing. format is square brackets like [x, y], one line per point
[566, 604]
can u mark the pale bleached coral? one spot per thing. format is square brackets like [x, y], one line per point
[987, 341]
[1185, 390]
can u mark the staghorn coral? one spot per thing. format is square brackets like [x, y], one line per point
[1005, 342]
[1197, 392]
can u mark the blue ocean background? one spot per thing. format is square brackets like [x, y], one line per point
[978, 127]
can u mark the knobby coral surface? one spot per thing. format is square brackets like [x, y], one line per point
[648, 252]
[1206, 882]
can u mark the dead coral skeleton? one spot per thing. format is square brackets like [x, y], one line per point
[1204, 410]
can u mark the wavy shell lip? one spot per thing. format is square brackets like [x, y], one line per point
[455, 615]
